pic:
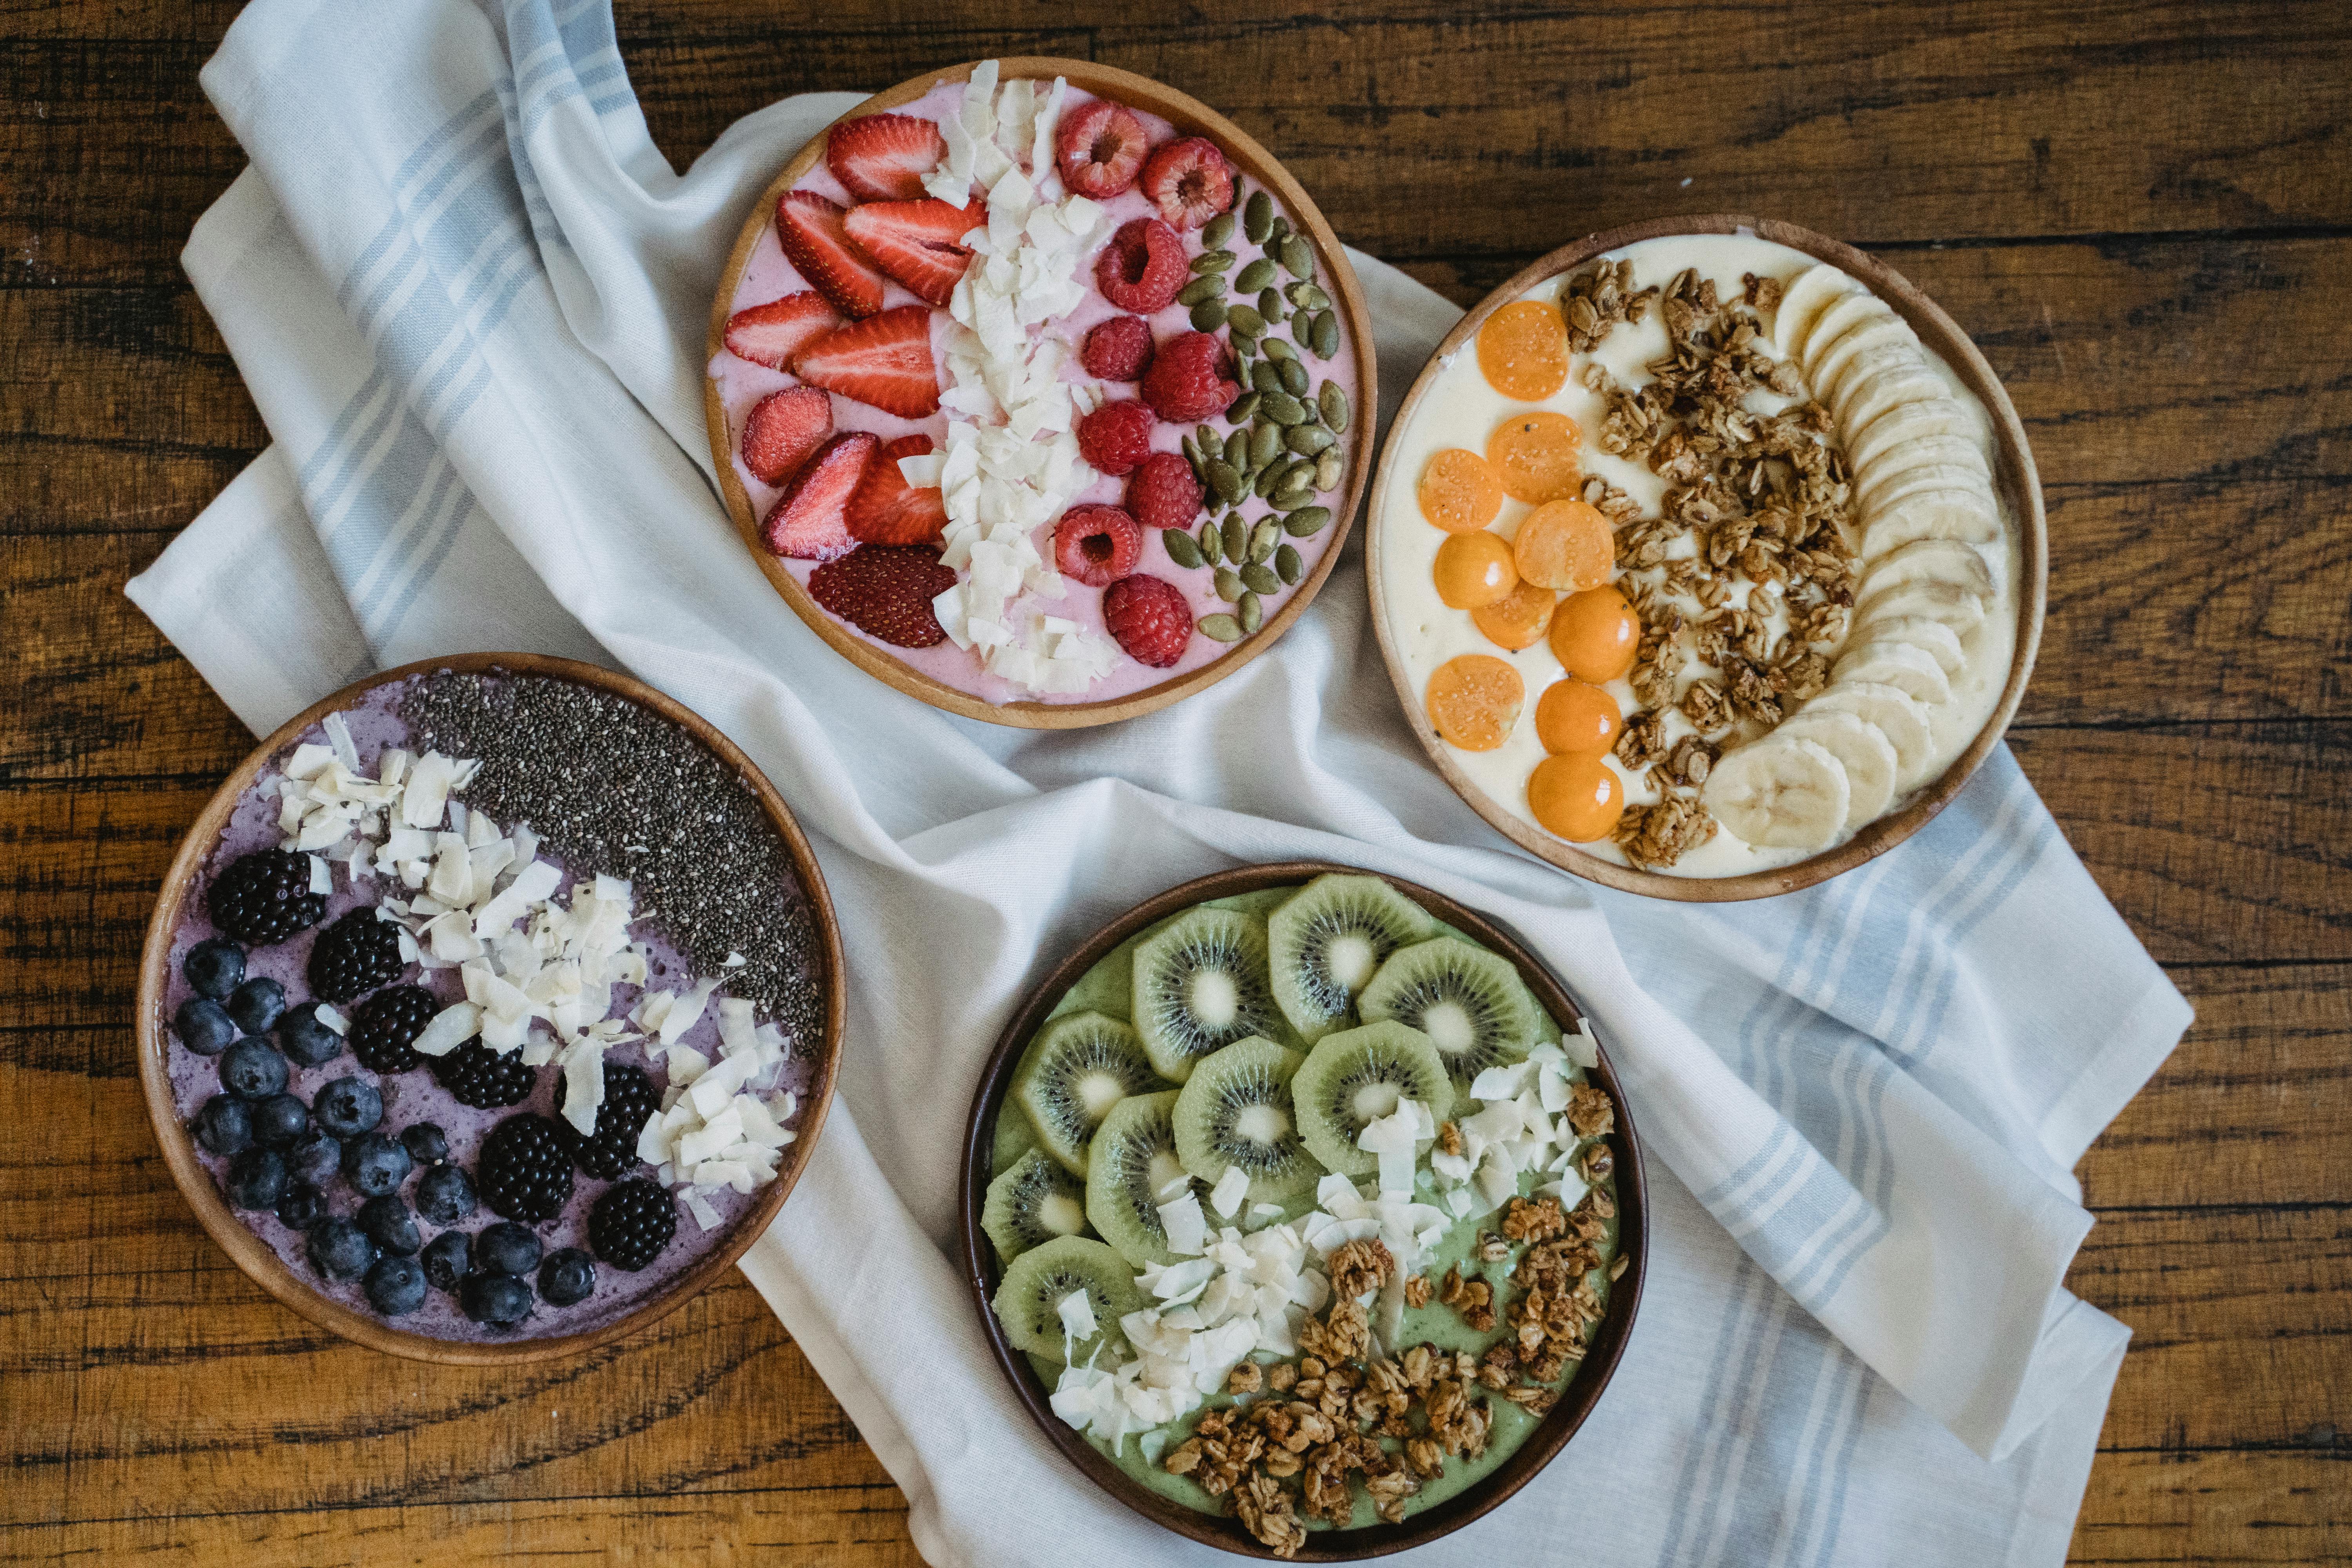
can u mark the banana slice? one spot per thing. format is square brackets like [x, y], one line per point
[1862, 750]
[1809, 293]
[1871, 337]
[1942, 643]
[1784, 793]
[1947, 604]
[1899, 716]
[1836, 322]
[1930, 476]
[1967, 515]
[1893, 461]
[1905, 666]
[1866, 444]
[1929, 560]
[1869, 389]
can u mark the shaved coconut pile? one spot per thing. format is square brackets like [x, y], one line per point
[716, 1127]
[1518, 1127]
[1010, 464]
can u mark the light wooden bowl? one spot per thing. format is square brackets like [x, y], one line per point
[254, 1255]
[1337, 279]
[2013, 471]
[983, 1271]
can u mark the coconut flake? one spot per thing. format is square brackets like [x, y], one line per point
[1230, 1189]
[449, 1028]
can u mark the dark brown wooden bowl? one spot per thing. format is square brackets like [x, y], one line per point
[254, 1255]
[1190, 115]
[2013, 471]
[982, 1271]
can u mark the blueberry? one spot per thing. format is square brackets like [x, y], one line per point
[314, 1157]
[505, 1247]
[446, 1259]
[257, 1005]
[303, 1205]
[253, 1069]
[204, 1025]
[567, 1276]
[376, 1164]
[340, 1248]
[445, 1195]
[425, 1143]
[215, 967]
[256, 1179]
[348, 1107]
[396, 1286]
[501, 1300]
[307, 1041]
[390, 1226]
[279, 1120]
[224, 1125]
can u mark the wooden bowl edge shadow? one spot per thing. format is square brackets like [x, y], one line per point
[2014, 469]
[255, 1257]
[1252, 158]
[1541, 1446]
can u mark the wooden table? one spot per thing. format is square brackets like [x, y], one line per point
[2141, 208]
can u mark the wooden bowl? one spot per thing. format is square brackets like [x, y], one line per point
[254, 1255]
[1192, 117]
[982, 1271]
[2013, 471]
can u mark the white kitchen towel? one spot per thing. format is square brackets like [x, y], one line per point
[469, 295]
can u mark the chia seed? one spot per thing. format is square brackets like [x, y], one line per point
[614, 787]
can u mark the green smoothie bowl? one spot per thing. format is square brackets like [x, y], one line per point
[1303, 1210]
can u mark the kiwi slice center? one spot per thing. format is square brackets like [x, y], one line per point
[1450, 1027]
[1098, 1092]
[1351, 960]
[1262, 1124]
[1375, 1101]
[1216, 1000]
[1062, 1213]
[1165, 1167]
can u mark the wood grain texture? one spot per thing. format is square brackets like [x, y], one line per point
[2136, 210]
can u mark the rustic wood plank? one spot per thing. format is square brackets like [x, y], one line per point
[2215, 1511]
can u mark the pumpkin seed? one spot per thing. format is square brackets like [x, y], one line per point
[1201, 288]
[1236, 537]
[1237, 451]
[1265, 442]
[1243, 408]
[1287, 563]
[1326, 470]
[1266, 376]
[1214, 261]
[1209, 441]
[1260, 578]
[1253, 613]
[1254, 277]
[1300, 474]
[1307, 521]
[1219, 229]
[1333, 402]
[1306, 440]
[1293, 377]
[1290, 498]
[1225, 481]
[1210, 545]
[1264, 538]
[1277, 349]
[1257, 217]
[1222, 627]
[1275, 232]
[1209, 315]
[1241, 365]
[1297, 257]
[1193, 455]
[1281, 408]
[1269, 305]
[1308, 297]
[1181, 548]
[1323, 335]
[1229, 585]
[1243, 322]
[1270, 476]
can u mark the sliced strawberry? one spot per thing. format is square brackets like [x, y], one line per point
[886, 509]
[884, 362]
[1100, 147]
[814, 241]
[772, 334]
[886, 590]
[919, 243]
[883, 157]
[809, 522]
[783, 429]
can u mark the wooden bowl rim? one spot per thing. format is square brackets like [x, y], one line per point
[2013, 467]
[1338, 279]
[1541, 1446]
[255, 1257]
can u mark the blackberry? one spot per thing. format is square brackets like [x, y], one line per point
[384, 1032]
[215, 968]
[225, 1126]
[339, 1250]
[567, 1277]
[425, 1143]
[500, 1300]
[631, 1224]
[507, 1248]
[306, 1040]
[445, 1195]
[476, 1075]
[280, 1121]
[524, 1173]
[355, 954]
[447, 1259]
[630, 1098]
[256, 1179]
[390, 1226]
[302, 1207]
[266, 897]
[204, 1025]
[396, 1286]
[376, 1164]
[258, 1004]
[252, 1069]
[348, 1107]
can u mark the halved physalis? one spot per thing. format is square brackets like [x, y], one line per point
[1474, 569]
[1473, 700]
[1538, 456]
[1565, 544]
[1459, 492]
[1578, 719]
[1596, 634]
[1523, 351]
[1517, 620]
[1576, 797]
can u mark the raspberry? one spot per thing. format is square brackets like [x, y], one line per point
[1116, 437]
[1163, 494]
[1099, 148]
[886, 590]
[1119, 349]
[1142, 267]
[1149, 617]
[1189, 379]
[1096, 544]
[1189, 182]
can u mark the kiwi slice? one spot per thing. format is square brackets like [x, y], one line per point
[1134, 1158]
[1356, 1077]
[1201, 984]
[1327, 939]
[1032, 1203]
[1013, 1138]
[1235, 1110]
[1029, 1300]
[1471, 1005]
[1078, 1067]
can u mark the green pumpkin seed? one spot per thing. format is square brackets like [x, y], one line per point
[1210, 544]
[1282, 408]
[1225, 479]
[1269, 305]
[1309, 440]
[1193, 455]
[1181, 548]
[1290, 498]
[1209, 441]
[1333, 402]
[1201, 288]
[1326, 470]
[1208, 315]
[1254, 277]
[1300, 474]
[1269, 476]
[1218, 230]
[1265, 442]
[1297, 257]
[1229, 585]
[1287, 563]
[1237, 451]
[1323, 335]
[1275, 348]
[1293, 377]
[1236, 537]
[1275, 232]
[1308, 297]
[1307, 521]
[1222, 627]
[1214, 261]
[1243, 322]
[1253, 613]
[1264, 538]
[1266, 376]
[1261, 579]
[1257, 217]
[1244, 408]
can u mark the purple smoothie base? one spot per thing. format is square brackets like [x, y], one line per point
[413, 1096]
[768, 276]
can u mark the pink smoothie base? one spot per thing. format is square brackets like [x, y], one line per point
[769, 276]
[413, 1096]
